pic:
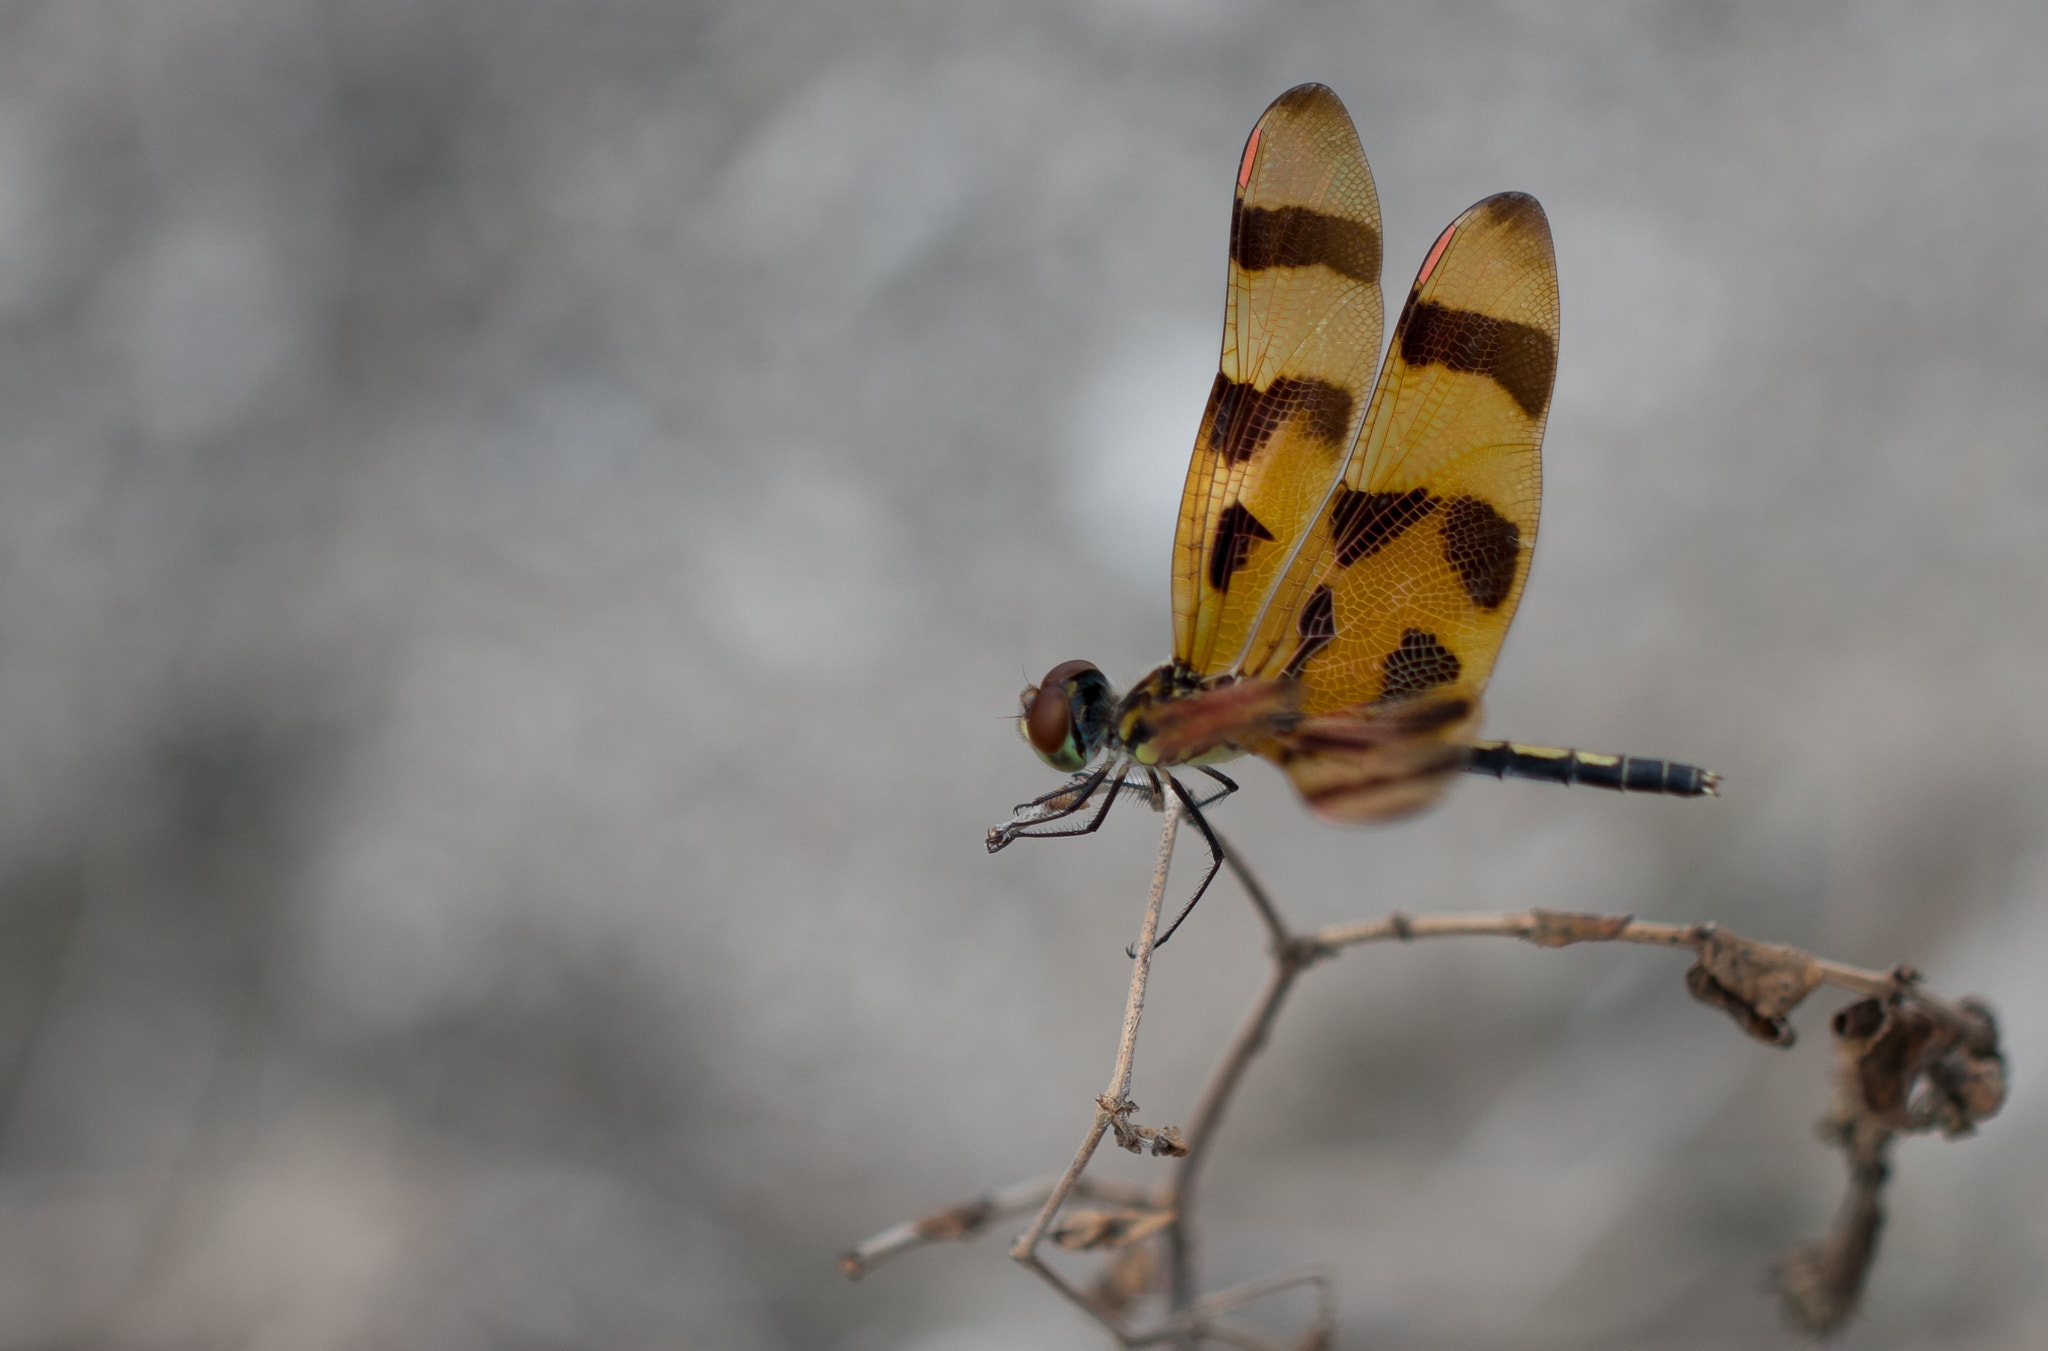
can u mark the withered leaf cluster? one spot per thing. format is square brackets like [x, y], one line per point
[1156, 1141]
[1905, 1070]
[1902, 1070]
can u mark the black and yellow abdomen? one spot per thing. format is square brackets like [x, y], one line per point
[1621, 773]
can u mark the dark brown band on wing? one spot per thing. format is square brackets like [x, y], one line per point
[1420, 663]
[1242, 419]
[1520, 359]
[1236, 528]
[1300, 236]
[1482, 546]
[1365, 523]
[1316, 625]
[1324, 408]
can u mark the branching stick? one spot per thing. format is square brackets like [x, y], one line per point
[1909, 1061]
[1114, 1104]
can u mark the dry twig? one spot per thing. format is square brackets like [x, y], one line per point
[1909, 1061]
[967, 1219]
[1114, 1102]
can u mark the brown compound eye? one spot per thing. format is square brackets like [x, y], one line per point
[1048, 717]
[1065, 717]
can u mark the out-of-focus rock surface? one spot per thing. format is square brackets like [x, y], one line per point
[520, 524]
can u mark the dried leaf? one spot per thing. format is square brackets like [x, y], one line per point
[1127, 1278]
[1120, 1113]
[1884, 1045]
[1085, 1230]
[1772, 977]
[1972, 1075]
[1757, 983]
[1903, 1068]
[1820, 1284]
[1557, 928]
[1166, 1141]
[1972, 1086]
[1141, 1139]
[1906, 1070]
[1707, 990]
[961, 1221]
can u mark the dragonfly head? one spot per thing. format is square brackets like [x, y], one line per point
[1066, 716]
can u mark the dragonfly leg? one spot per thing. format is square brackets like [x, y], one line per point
[1194, 811]
[1057, 806]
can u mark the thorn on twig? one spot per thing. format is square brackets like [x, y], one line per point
[1758, 984]
[1086, 1230]
[1157, 1141]
[1557, 928]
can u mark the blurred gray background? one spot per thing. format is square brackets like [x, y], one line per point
[521, 523]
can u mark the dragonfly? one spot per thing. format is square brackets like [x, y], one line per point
[1344, 568]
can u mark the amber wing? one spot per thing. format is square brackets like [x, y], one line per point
[1301, 336]
[1402, 592]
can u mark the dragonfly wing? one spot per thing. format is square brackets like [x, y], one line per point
[1411, 574]
[1301, 335]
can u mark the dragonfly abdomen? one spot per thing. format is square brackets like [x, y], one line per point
[1621, 773]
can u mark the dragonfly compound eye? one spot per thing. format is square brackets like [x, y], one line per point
[1066, 715]
[1048, 718]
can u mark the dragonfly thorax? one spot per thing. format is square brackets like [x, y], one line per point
[1168, 694]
